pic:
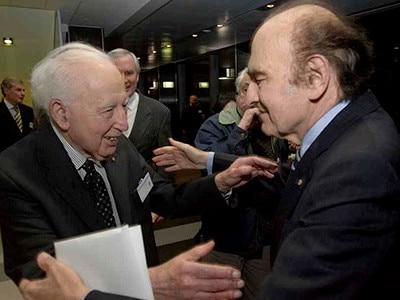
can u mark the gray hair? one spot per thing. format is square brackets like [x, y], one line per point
[53, 77]
[239, 79]
[119, 52]
[9, 82]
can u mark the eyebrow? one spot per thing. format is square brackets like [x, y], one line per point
[255, 73]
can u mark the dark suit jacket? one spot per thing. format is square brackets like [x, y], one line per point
[10, 132]
[43, 199]
[337, 229]
[152, 126]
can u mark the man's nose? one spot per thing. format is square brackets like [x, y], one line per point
[122, 120]
[252, 94]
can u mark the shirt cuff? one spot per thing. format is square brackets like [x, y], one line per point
[210, 161]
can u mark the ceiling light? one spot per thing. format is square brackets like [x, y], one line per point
[220, 25]
[195, 35]
[270, 5]
[206, 30]
[168, 46]
[154, 51]
[8, 41]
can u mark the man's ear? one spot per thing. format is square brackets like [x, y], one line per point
[317, 76]
[59, 114]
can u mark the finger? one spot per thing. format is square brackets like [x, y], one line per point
[227, 274]
[24, 284]
[219, 293]
[199, 251]
[163, 150]
[172, 169]
[44, 261]
[177, 144]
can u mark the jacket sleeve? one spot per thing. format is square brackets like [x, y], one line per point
[212, 136]
[97, 295]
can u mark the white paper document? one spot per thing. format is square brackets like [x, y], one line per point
[111, 261]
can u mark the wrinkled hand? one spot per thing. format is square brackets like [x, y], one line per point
[180, 156]
[61, 282]
[243, 169]
[183, 277]
[249, 118]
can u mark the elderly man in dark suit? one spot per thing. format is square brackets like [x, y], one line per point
[50, 181]
[149, 120]
[16, 118]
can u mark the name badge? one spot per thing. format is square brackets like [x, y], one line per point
[145, 186]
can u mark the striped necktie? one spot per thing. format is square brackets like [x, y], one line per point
[17, 118]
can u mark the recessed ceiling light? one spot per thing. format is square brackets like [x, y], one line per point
[168, 46]
[270, 5]
[206, 30]
[220, 25]
[195, 35]
[8, 41]
[154, 51]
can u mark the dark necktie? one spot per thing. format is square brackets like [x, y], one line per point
[17, 117]
[98, 192]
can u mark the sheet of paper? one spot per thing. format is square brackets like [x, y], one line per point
[111, 261]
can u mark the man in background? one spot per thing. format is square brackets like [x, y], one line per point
[16, 118]
[149, 120]
[193, 115]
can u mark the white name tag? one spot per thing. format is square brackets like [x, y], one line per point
[145, 186]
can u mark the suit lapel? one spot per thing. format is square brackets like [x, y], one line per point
[63, 178]
[142, 121]
[117, 176]
[9, 119]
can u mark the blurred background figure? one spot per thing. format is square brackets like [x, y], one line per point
[193, 115]
[224, 100]
[16, 119]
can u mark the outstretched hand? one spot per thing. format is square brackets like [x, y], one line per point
[243, 169]
[180, 156]
[183, 277]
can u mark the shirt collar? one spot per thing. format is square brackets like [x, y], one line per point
[76, 157]
[8, 104]
[132, 99]
[321, 124]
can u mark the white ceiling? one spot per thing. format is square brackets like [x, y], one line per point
[98, 13]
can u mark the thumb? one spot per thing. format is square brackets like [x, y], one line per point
[23, 283]
[44, 261]
[200, 251]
